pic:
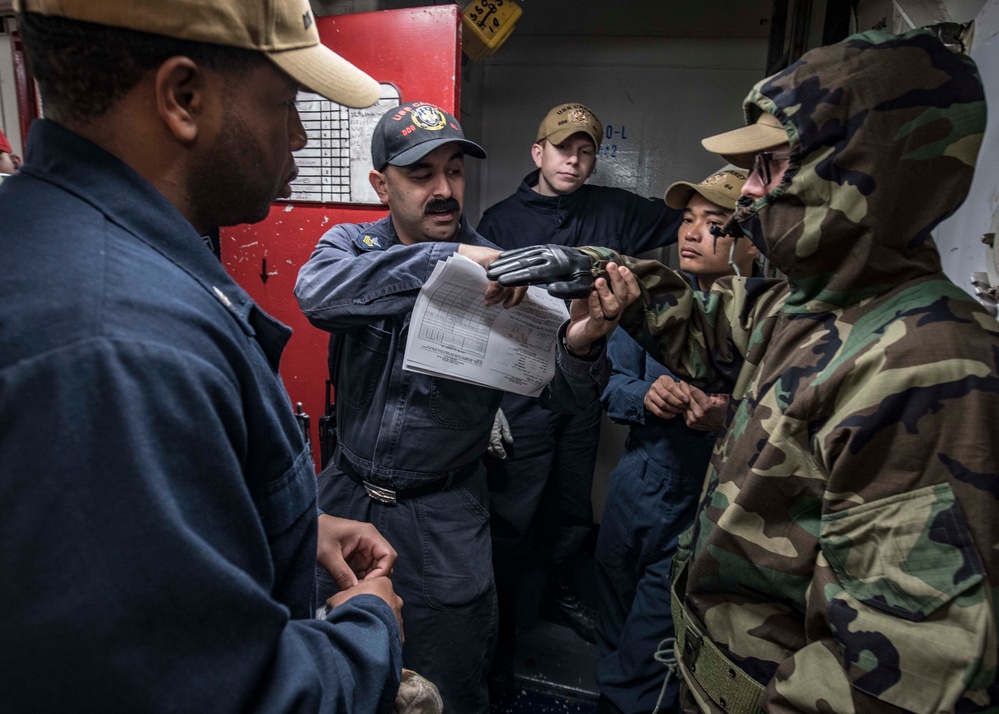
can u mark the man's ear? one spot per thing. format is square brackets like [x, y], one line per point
[380, 184]
[181, 92]
[536, 152]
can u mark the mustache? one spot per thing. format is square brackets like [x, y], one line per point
[442, 205]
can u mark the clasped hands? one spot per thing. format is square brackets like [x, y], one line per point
[668, 398]
[359, 559]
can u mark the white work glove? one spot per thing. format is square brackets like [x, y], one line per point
[500, 433]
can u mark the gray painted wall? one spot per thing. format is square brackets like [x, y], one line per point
[658, 97]
[959, 238]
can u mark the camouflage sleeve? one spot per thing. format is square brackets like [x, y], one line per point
[704, 338]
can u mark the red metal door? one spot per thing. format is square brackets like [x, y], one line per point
[419, 52]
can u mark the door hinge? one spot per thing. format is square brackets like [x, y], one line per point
[987, 294]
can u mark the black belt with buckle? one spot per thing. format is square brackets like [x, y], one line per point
[385, 494]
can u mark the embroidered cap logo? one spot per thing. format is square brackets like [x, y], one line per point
[429, 117]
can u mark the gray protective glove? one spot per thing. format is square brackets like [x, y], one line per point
[568, 272]
[501, 432]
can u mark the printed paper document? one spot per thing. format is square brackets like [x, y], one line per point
[453, 335]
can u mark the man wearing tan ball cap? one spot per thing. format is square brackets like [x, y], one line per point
[557, 452]
[162, 555]
[708, 206]
[563, 121]
[672, 428]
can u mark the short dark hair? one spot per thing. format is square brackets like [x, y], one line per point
[83, 68]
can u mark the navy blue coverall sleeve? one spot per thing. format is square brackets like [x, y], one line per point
[147, 583]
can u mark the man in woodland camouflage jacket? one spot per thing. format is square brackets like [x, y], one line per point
[845, 557]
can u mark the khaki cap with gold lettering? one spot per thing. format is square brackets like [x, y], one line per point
[283, 30]
[722, 188]
[567, 119]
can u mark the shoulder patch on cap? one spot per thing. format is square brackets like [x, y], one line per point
[370, 241]
[429, 117]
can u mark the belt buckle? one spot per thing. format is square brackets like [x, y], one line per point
[380, 493]
[692, 642]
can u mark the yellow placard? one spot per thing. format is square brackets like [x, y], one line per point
[486, 24]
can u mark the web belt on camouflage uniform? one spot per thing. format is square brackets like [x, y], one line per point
[727, 684]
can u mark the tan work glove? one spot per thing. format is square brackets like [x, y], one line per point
[417, 695]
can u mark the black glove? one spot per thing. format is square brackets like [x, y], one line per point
[567, 272]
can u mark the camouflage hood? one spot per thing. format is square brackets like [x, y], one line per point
[853, 216]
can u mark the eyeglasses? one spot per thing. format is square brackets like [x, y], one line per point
[763, 162]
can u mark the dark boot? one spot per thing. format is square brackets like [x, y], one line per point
[561, 604]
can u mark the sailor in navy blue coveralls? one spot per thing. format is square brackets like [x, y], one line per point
[651, 499]
[161, 556]
[423, 439]
[655, 488]
[409, 458]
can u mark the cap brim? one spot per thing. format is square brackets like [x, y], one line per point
[321, 70]
[415, 153]
[557, 137]
[678, 194]
[739, 146]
